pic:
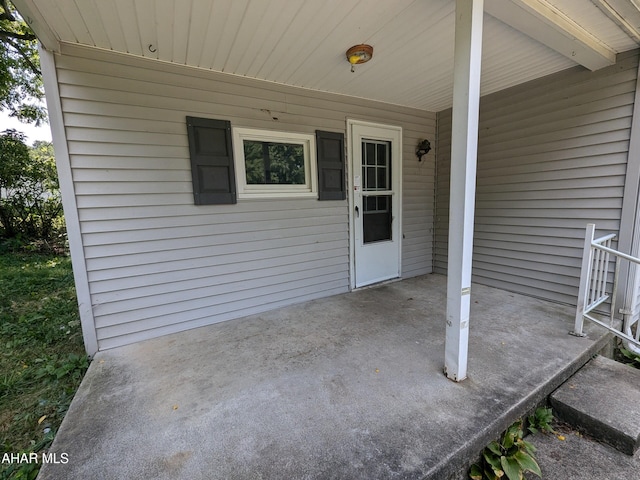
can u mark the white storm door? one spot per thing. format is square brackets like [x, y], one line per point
[376, 206]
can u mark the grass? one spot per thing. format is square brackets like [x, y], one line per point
[42, 357]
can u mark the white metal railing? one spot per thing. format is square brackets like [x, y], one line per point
[593, 291]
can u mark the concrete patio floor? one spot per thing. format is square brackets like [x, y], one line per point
[346, 387]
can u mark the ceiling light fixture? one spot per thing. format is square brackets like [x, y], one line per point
[359, 54]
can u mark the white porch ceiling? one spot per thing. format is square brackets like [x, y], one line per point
[303, 42]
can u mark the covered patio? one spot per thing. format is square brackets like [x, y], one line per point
[335, 385]
[347, 387]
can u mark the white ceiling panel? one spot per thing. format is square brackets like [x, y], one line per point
[127, 18]
[303, 42]
[586, 14]
[510, 58]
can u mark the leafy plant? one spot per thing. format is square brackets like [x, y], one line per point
[541, 420]
[54, 368]
[511, 456]
[630, 358]
[21, 471]
[28, 471]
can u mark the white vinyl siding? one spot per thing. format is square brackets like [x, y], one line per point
[156, 262]
[552, 157]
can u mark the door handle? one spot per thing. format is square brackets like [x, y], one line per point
[357, 212]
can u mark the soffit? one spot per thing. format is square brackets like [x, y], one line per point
[303, 42]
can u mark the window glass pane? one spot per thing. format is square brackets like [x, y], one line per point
[382, 178]
[382, 153]
[370, 154]
[376, 224]
[287, 163]
[370, 179]
[370, 204]
[274, 163]
[254, 162]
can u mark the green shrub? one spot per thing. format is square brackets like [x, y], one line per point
[30, 202]
[511, 456]
[541, 421]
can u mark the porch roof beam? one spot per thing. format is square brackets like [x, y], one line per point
[546, 24]
[624, 13]
[464, 152]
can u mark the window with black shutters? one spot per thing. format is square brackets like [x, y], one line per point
[229, 164]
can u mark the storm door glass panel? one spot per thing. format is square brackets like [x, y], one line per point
[376, 177]
[376, 221]
[376, 166]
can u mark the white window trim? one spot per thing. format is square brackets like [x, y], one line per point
[309, 189]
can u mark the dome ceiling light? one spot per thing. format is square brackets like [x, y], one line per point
[359, 54]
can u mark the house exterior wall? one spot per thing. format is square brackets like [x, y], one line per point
[157, 263]
[552, 157]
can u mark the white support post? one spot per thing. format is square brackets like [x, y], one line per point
[464, 152]
[585, 280]
[629, 234]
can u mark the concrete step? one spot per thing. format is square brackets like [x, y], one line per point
[603, 399]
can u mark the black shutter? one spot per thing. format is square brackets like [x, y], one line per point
[331, 171]
[212, 169]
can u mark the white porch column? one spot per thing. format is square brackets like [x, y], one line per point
[629, 234]
[464, 150]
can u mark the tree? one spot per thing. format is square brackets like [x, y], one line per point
[21, 87]
[14, 160]
[30, 204]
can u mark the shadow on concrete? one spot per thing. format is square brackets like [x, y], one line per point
[346, 387]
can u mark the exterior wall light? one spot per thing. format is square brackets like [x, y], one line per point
[424, 146]
[359, 54]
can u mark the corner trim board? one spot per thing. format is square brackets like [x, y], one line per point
[63, 165]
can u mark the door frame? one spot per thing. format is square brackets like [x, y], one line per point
[395, 136]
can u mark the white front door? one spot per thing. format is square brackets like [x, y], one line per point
[375, 183]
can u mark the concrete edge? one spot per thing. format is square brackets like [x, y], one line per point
[456, 465]
[595, 428]
[77, 404]
[581, 419]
